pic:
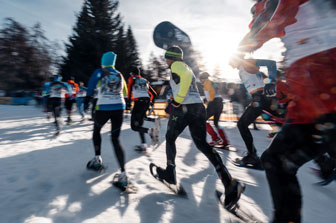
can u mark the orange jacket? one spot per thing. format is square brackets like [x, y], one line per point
[74, 88]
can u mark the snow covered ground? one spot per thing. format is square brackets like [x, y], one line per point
[44, 180]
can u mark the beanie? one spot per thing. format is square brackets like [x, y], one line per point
[174, 53]
[108, 59]
[204, 75]
[134, 70]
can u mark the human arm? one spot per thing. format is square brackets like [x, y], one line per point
[183, 78]
[129, 87]
[97, 74]
[125, 90]
[269, 21]
[271, 67]
[152, 93]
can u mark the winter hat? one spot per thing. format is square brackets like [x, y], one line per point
[174, 53]
[108, 59]
[135, 70]
[204, 75]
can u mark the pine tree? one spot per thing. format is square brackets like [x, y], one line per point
[132, 55]
[121, 51]
[157, 68]
[24, 56]
[95, 32]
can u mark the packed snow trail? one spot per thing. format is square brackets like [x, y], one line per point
[43, 179]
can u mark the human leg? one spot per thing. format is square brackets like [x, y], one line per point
[137, 118]
[176, 125]
[80, 106]
[116, 120]
[211, 111]
[290, 149]
[197, 127]
[249, 116]
[56, 109]
[218, 112]
[101, 118]
[196, 122]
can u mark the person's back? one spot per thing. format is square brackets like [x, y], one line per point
[57, 93]
[214, 108]
[143, 95]
[261, 93]
[111, 88]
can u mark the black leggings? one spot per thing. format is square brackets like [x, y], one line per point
[56, 107]
[116, 117]
[259, 103]
[215, 109]
[292, 147]
[194, 116]
[68, 104]
[93, 108]
[138, 115]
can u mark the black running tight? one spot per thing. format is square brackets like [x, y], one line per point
[116, 117]
[215, 109]
[194, 116]
[138, 115]
[292, 147]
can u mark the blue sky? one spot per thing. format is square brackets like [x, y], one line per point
[215, 26]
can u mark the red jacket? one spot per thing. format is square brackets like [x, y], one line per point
[269, 21]
[282, 92]
[311, 78]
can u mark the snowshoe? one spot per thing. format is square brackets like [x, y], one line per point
[217, 142]
[96, 164]
[167, 177]
[326, 181]
[251, 161]
[237, 210]
[227, 147]
[140, 149]
[82, 120]
[232, 194]
[120, 181]
[223, 146]
[69, 121]
[57, 133]
[271, 134]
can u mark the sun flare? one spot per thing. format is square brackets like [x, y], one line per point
[217, 49]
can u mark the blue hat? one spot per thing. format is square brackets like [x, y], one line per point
[108, 59]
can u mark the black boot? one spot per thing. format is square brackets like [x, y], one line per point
[251, 160]
[232, 193]
[168, 174]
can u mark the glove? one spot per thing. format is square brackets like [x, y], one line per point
[269, 90]
[175, 104]
[325, 127]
